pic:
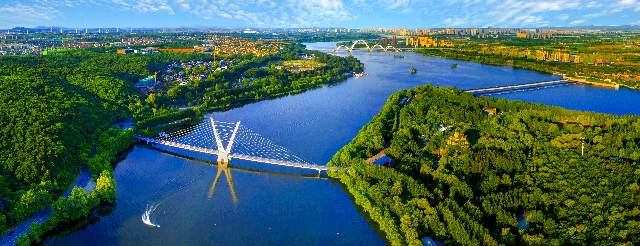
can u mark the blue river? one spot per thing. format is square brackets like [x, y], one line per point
[262, 204]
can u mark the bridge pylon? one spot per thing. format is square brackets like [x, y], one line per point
[223, 153]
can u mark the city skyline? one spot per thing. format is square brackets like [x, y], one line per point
[353, 14]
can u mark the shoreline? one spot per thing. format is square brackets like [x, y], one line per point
[572, 79]
[584, 81]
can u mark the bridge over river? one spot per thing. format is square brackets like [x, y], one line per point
[241, 143]
[369, 48]
[527, 86]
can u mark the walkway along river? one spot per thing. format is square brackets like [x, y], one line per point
[294, 209]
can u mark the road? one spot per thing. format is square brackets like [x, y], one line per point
[23, 228]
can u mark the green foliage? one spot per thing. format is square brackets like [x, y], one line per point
[54, 107]
[106, 186]
[587, 71]
[166, 118]
[48, 128]
[80, 204]
[468, 184]
[216, 91]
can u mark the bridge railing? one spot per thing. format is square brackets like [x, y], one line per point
[238, 156]
[516, 86]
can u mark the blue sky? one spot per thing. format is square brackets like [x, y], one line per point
[317, 13]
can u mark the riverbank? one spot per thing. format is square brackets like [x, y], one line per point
[475, 188]
[178, 119]
[540, 66]
[84, 181]
[94, 186]
[584, 81]
[314, 125]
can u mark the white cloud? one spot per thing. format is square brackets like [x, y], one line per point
[266, 3]
[393, 4]
[22, 15]
[515, 13]
[455, 21]
[626, 4]
[575, 22]
[56, 3]
[593, 4]
[425, 13]
[594, 15]
[288, 13]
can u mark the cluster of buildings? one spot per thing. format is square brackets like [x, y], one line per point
[142, 40]
[245, 48]
[394, 40]
[235, 45]
[142, 51]
[17, 49]
[552, 55]
[426, 41]
[446, 31]
[37, 46]
[176, 72]
[495, 32]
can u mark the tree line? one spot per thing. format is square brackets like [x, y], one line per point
[570, 69]
[517, 177]
[80, 204]
[54, 108]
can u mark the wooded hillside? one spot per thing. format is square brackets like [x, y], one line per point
[516, 177]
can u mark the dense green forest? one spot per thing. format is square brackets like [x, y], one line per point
[516, 177]
[263, 83]
[67, 211]
[259, 78]
[54, 108]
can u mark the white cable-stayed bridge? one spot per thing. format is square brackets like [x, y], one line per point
[241, 143]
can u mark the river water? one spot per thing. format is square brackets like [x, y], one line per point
[263, 204]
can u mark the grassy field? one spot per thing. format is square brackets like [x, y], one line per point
[304, 63]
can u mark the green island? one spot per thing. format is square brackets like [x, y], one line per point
[487, 171]
[62, 111]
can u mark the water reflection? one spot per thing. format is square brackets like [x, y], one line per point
[164, 192]
[224, 166]
[239, 168]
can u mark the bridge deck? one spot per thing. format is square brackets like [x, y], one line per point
[560, 81]
[238, 156]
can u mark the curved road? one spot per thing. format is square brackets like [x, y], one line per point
[23, 228]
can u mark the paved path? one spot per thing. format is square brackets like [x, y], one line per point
[23, 228]
[376, 157]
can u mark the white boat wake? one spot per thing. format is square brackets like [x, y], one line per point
[145, 217]
[156, 199]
